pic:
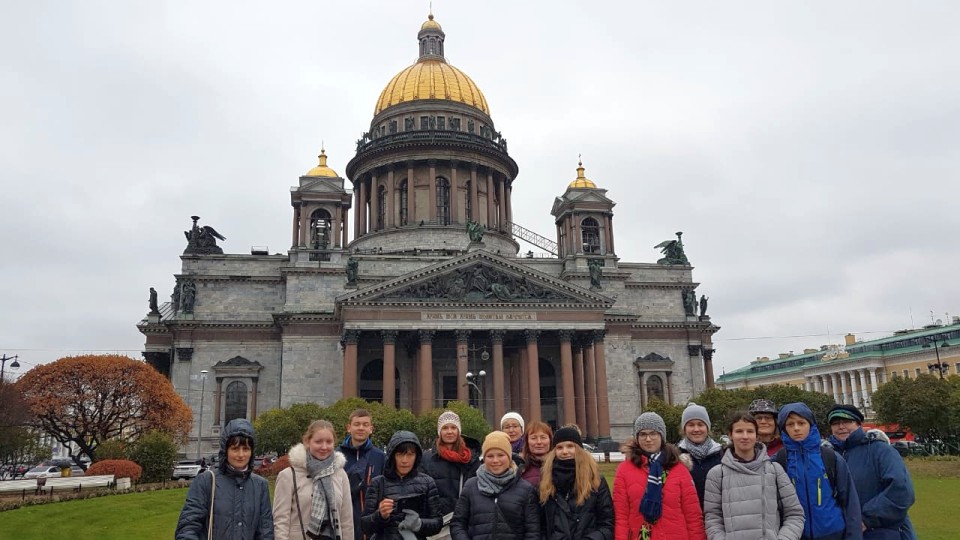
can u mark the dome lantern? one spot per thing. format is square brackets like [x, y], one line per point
[582, 181]
[322, 169]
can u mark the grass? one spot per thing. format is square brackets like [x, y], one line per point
[153, 515]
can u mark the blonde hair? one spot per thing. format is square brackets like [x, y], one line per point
[587, 476]
[316, 426]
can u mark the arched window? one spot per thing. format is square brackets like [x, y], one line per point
[320, 229]
[655, 387]
[381, 208]
[468, 205]
[371, 382]
[403, 203]
[236, 401]
[443, 201]
[591, 235]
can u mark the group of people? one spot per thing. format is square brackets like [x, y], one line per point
[776, 479]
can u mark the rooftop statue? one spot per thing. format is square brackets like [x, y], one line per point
[353, 268]
[154, 308]
[475, 230]
[703, 305]
[595, 271]
[202, 240]
[672, 252]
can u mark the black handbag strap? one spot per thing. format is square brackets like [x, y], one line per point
[296, 498]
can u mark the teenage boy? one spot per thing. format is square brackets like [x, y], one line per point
[364, 461]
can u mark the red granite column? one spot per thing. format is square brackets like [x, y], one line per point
[304, 225]
[336, 227]
[499, 398]
[474, 198]
[463, 390]
[425, 372]
[566, 370]
[389, 367]
[603, 405]
[350, 339]
[432, 199]
[708, 366]
[454, 193]
[502, 218]
[411, 195]
[578, 390]
[391, 196]
[362, 209]
[590, 374]
[374, 203]
[491, 222]
[533, 371]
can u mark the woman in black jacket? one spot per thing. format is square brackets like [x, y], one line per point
[452, 461]
[575, 498]
[698, 451]
[496, 504]
[403, 500]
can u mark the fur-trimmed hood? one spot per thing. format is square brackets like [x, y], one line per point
[298, 457]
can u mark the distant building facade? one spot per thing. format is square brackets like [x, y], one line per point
[432, 286]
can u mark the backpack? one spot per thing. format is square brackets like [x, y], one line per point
[829, 457]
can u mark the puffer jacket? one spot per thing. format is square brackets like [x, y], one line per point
[700, 467]
[391, 485]
[513, 514]
[744, 500]
[241, 507]
[681, 518]
[826, 517]
[287, 515]
[592, 520]
[449, 476]
[883, 485]
[363, 465]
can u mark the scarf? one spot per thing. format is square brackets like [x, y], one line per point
[699, 451]
[492, 484]
[518, 446]
[323, 515]
[564, 475]
[449, 454]
[651, 506]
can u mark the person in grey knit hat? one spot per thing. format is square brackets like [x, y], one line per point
[698, 451]
[650, 420]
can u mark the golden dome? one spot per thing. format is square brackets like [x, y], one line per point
[582, 181]
[322, 169]
[430, 24]
[431, 79]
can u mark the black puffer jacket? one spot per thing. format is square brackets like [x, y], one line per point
[592, 520]
[450, 476]
[391, 486]
[513, 514]
[241, 509]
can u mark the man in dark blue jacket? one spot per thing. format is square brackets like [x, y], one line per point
[882, 480]
[364, 461]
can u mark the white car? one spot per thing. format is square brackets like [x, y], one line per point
[43, 471]
[186, 469]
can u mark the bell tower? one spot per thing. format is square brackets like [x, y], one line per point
[584, 220]
[321, 208]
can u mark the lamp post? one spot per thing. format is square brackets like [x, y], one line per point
[3, 365]
[472, 381]
[203, 384]
[939, 366]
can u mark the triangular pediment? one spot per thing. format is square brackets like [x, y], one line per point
[310, 184]
[479, 278]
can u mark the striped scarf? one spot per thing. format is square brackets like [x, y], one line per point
[651, 506]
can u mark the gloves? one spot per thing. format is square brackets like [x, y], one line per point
[411, 521]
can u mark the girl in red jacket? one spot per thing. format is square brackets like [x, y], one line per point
[653, 494]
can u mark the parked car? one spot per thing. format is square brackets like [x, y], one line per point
[43, 471]
[187, 469]
[909, 448]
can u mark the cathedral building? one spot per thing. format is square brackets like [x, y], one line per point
[431, 298]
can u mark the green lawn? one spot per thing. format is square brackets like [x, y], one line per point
[154, 514]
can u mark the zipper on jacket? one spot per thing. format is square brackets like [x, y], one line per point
[819, 494]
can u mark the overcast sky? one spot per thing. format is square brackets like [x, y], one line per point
[808, 150]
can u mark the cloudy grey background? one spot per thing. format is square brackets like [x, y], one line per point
[809, 151]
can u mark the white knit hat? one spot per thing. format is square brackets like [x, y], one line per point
[514, 416]
[448, 417]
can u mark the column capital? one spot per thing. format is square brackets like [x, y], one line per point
[351, 337]
[463, 336]
[707, 353]
[496, 336]
[389, 337]
[532, 335]
[565, 335]
[598, 335]
[426, 336]
[454, 163]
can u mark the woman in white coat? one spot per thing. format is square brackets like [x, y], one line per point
[312, 496]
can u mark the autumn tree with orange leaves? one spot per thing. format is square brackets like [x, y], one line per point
[89, 399]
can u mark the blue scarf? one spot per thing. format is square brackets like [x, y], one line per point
[651, 506]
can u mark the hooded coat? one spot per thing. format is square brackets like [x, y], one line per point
[241, 507]
[681, 518]
[449, 476]
[745, 500]
[363, 465]
[390, 485]
[883, 485]
[287, 515]
[827, 517]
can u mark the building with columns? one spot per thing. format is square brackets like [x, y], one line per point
[851, 373]
[432, 286]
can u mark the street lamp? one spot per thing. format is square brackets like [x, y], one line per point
[203, 384]
[939, 366]
[472, 381]
[3, 364]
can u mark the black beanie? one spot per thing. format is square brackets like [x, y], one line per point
[567, 434]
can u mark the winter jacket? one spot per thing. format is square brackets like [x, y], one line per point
[513, 514]
[241, 507]
[287, 515]
[774, 446]
[826, 517]
[883, 485]
[745, 500]
[391, 486]
[363, 465]
[699, 468]
[681, 518]
[531, 472]
[450, 476]
[592, 520]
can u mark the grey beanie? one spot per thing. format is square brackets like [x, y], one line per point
[695, 412]
[650, 420]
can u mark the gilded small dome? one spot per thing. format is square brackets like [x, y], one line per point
[431, 79]
[430, 24]
[322, 169]
[581, 180]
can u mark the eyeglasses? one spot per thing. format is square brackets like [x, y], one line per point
[648, 436]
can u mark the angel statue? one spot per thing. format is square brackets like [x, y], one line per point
[202, 240]
[475, 230]
[672, 252]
